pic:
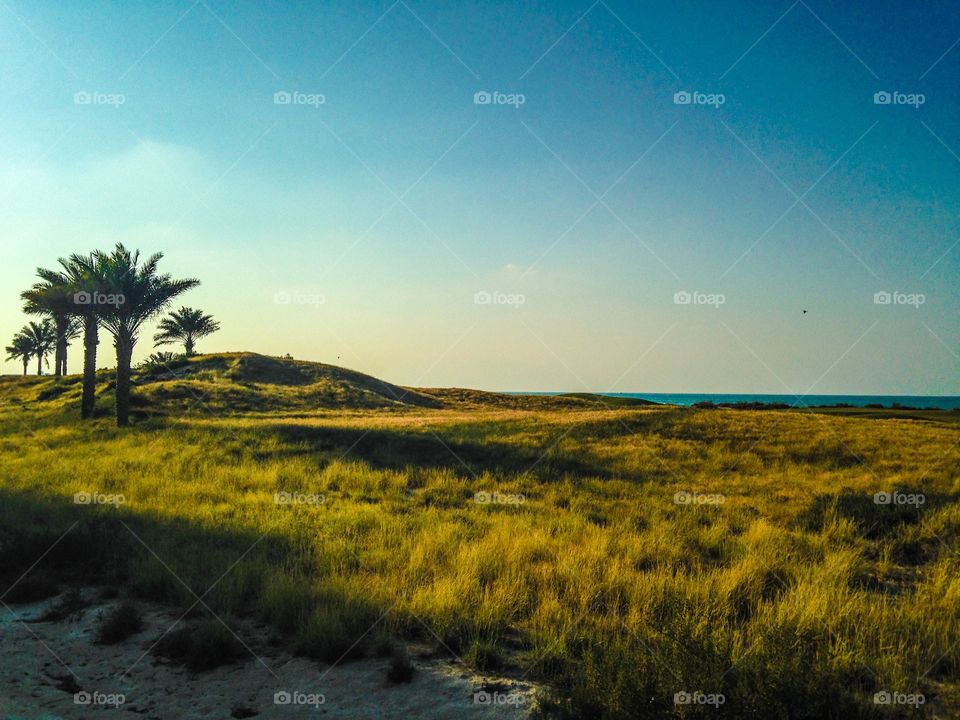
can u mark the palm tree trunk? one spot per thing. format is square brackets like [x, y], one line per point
[90, 340]
[26, 362]
[124, 354]
[60, 321]
[188, 346]
[39, 364]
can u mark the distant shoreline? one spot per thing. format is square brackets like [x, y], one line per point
[895, 402]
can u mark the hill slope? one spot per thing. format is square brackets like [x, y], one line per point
[250, 382]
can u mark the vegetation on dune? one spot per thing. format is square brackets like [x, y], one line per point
[115, 291]
[625, 556]
[145, 293]
[47, 298]
[21, 348]
[186, 325]
[35, 340]
[642, 560]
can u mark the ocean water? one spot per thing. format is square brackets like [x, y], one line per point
[945, 402]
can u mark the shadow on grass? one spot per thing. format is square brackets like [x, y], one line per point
[877, 516]
[601, 675]
[48, 545]
[396, 450]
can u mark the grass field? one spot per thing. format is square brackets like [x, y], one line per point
[623, 554]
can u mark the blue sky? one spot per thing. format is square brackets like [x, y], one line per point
[360, 230]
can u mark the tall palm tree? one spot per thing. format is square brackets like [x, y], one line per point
[145, 294]
[51, 297]
[43, 337]
[21, 349]
[84, 275]
[185, 325]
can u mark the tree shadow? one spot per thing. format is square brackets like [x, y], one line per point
[207, 576]
[397, 449]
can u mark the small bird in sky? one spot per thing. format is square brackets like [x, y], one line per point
[804, 312]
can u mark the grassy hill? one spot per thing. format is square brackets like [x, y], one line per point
[623, 554]
[249, 382]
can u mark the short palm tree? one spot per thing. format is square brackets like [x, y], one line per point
[21, 349]
[43, 337]
[145, 294]
[70, 333]
[185, 325]
[51, 297]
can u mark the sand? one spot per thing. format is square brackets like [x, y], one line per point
[44, 665]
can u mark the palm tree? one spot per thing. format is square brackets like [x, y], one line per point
[70, 333]
[84, 276]
[43, 337]
[21, 349]
[185, 325]
[145, 294]
[52, 298]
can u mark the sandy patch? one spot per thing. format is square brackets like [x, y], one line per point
[43, 665]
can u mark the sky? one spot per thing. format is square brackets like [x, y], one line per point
[663, 197]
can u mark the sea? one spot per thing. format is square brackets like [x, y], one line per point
[944, 402]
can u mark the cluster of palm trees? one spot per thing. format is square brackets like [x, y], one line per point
[114, 291]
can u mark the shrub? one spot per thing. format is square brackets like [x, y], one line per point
[68, 607]
[120, 623]
[200, 647]
[400, 670]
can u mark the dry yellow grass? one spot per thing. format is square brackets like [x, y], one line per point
[623, 555]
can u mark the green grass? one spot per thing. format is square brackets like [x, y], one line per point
[797, 596]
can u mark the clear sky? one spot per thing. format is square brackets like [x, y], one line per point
[357, 223]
